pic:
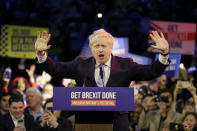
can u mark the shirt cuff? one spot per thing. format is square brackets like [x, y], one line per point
[163, 59]
[41, 59]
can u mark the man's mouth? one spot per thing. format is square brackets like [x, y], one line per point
[101, 56]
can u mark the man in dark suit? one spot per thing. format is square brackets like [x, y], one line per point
[4, 106]
[16, 120]
[103, 69]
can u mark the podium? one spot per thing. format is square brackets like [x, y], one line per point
[94, 121]
[93, 127]
[94, 107]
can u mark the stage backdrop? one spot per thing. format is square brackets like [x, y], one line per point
[18, 41]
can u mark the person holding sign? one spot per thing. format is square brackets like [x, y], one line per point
[103, 69]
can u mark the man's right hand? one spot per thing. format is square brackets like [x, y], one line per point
[41, 43]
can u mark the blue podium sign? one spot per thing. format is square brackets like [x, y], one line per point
[93, 99]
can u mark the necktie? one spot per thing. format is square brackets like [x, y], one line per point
[101, 78]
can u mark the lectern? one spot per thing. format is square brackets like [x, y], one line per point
[94, 121]
[94, 107]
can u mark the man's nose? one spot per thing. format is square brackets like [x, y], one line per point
[100, 48]
[17, 110]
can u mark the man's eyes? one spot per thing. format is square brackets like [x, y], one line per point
[97, 46]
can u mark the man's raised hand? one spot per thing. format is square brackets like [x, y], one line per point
[160, 42]
[41, 42]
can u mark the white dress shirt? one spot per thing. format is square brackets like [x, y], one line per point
[107, 69]
[16, 120]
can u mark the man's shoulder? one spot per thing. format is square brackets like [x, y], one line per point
[28, 117]
[175, 114]
[5, 118]
[82, 59]
[122, 59]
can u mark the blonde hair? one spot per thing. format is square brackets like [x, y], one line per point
[100, 34]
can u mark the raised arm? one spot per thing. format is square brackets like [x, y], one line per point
[41, 44]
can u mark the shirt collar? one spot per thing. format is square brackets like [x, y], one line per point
[14, 119]
[40, 112]
[108, 63]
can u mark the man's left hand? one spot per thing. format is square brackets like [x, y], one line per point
[160, 42]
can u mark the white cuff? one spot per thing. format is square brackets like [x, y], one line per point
[41, 59]
[163, 59]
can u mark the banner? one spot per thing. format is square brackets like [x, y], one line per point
[140, 59]
[173, 67]
[18, 41]
[93, 99]
[180, 36]
[120, 47]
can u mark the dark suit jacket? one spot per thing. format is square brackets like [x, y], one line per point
[123, 71]
[7, 124]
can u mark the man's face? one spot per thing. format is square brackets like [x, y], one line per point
[168, 95]
[17, 109]
[33, 99]
[101, 50]
[190, 121]
[4, 103]
[21, 85]
[163, 80]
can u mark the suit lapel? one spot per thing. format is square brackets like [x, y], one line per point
[115, 67]
[10, 121]
[90, 76]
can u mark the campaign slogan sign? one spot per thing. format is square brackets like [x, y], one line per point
[18, 41]
[93, 99]
[120, 47]
[180, 36]
[173, 67]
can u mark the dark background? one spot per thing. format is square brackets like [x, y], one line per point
[71, 21]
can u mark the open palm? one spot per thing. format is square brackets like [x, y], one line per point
[160, 42]
[42, 41]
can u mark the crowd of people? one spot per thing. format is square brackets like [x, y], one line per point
[71, 21]
[28, 104]
[165, 103]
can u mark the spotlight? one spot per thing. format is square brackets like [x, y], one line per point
[99, 15]
[181, 66]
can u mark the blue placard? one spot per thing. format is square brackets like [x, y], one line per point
[93, 99]
[173, 67]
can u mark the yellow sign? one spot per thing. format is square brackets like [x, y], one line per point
[18, 41]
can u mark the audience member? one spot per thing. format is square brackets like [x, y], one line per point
[158, 119]
[16, 119]
[52, 120]
[4, 105]
[34, 101]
